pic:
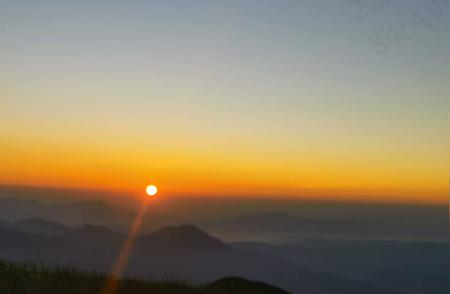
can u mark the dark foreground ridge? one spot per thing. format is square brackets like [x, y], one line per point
[239, 285]
[16, 278]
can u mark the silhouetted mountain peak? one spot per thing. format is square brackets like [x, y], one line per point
[34, 220]
[40, 226]
[94, 230]
[182, 230]
[182, 238]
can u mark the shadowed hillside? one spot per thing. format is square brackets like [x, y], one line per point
[409, 267]
[28, 278]
[181, 253]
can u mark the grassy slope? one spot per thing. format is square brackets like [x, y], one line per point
[32, 279]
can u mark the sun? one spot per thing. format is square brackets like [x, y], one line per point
[151, 190]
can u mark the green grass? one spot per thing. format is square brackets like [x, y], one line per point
[36, 279]
[24, 278]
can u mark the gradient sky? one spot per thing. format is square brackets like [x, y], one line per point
[257, 98]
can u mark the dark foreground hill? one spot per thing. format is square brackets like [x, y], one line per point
[28, 278]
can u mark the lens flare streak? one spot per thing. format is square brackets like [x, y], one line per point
[112, 283]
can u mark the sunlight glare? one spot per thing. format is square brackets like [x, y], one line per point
[151, 190]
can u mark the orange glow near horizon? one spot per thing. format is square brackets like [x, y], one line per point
[367, 176]
[205, 108]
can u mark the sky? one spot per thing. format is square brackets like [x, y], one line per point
[303, 99]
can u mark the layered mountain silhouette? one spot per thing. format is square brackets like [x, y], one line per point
[252, 227]
[183, 252]
[39, 226]
[81, 213]
[185, 238]
[281, 225]
[89, 235]
[410, 267]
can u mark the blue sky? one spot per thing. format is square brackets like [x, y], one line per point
[303, 77]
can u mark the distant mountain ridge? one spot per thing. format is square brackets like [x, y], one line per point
[250, 227]
[75, 213]
[183, 252]
[80, 213]
[191, 252]
[410, 267]
[191, 238]
[40, 226]
[260, 226]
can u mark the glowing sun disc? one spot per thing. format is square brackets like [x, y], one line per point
[151, 190]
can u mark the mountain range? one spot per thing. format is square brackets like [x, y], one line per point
[183, 252]
[409, 267]
[81, 213]
[266, 226]
[312, 255]
[280, 226]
